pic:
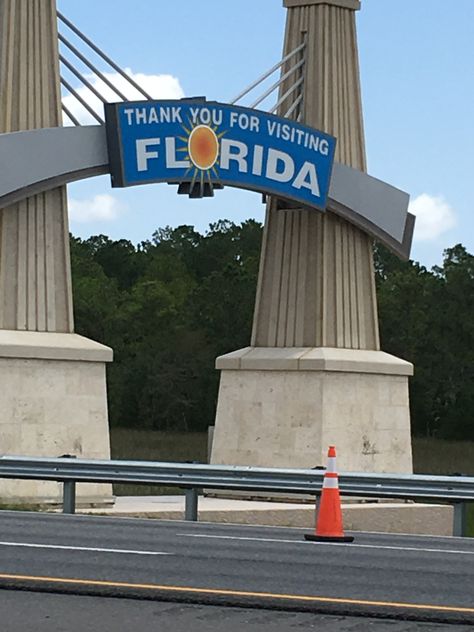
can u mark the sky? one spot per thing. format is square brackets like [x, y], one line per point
[417, 76]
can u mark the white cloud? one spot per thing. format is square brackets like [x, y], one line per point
[434, 216]
[100, 208]
[157, 86]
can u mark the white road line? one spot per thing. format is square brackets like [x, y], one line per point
[337, 544]
[30, 545]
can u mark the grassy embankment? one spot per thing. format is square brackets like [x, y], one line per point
[149, 445]
[430, 456]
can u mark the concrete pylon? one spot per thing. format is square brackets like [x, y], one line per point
[53, 390]
[314, 374]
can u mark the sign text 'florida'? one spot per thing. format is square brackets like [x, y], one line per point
[203, 142]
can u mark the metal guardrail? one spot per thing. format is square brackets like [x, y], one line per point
[455, 490]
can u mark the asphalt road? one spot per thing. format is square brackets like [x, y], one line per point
[40, 612]
[421, 578]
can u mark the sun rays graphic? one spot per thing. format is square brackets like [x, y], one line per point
[202, 150]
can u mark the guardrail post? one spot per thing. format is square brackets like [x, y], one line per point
[69, 491]
[69, 497]
[459, 519]
[191, 505]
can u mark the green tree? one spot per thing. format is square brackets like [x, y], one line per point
[171, 305]
[453, 328]
[167, 307]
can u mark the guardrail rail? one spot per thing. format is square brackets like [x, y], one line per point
[455, 490]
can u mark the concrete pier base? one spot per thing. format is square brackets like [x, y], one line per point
[52, 402]
[283, 407]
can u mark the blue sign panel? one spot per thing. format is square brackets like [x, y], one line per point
[209, 143]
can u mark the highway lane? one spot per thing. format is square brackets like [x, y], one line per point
[419, 577]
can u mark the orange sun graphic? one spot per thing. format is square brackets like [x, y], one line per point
[202, 148]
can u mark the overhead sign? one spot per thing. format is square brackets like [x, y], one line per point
[202, 142]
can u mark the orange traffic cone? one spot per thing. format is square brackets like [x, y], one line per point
[329, 522]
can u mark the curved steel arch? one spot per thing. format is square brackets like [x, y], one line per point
[38, 160]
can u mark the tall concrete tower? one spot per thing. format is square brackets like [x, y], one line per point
[53, 391]
[314, 374]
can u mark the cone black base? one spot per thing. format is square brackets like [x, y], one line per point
[328, 538]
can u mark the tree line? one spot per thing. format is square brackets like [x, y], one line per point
[169, 306]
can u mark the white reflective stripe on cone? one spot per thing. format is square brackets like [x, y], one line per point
[331, 464]
[330, 483]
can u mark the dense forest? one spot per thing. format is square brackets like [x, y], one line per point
[169, 306]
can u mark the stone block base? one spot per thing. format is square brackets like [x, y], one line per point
[282, 407]
[52, 402]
